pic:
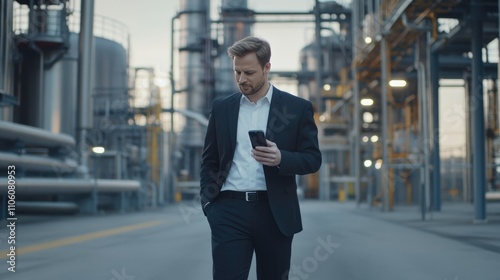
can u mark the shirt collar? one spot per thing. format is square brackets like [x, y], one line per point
[268, 96]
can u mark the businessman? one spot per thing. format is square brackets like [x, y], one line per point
[250, 195]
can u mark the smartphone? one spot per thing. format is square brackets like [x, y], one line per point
[257, 138]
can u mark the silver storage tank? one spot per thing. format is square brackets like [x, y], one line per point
[6, 57]
[110, 94]
[48, 92]
[54, 108]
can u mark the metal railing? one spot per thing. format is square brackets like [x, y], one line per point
[104, 27]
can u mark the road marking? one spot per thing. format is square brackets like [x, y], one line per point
[79, 238]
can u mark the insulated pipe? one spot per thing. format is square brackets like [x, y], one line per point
[357, 110]
[436, 160]
[34, 186]
[34, 136]
[478, 128]
[385, 121]
[422, 94]
[85, 58]
[319, 64]
[46, 207]
[5, 32]
[38, 163]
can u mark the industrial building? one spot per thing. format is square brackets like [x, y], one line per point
[100, 161]
[86, 132]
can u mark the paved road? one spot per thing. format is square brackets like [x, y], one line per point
[339, 242]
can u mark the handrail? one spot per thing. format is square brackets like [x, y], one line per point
[105, 27]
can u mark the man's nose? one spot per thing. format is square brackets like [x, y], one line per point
[242, 78]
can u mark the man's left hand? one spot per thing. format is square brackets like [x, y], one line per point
[270, 155]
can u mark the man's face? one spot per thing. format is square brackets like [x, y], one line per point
[250, 76]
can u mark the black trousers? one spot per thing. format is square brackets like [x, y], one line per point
[240, 228]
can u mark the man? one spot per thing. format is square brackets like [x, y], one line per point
[250, 195]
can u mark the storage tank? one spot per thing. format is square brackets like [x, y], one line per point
[110, 94]
[6, 58]
[48, 83]
[237, 24]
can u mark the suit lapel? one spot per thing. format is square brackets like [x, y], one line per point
[232, 117]
[276, 106]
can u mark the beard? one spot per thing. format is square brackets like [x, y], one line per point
[249, 89]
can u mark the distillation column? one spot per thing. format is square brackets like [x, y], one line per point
[193, 93]
[237, 22]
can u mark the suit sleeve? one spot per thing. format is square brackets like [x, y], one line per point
[307, 157]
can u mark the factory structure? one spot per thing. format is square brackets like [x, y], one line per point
[87, 132]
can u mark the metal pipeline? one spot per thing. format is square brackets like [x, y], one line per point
[85, 57]
[46, 207]
[38, 163]
[36, 186]
[34, 136]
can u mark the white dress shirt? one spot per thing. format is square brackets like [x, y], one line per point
[246, 174]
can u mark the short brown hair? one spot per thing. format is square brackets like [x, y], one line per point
[251, 44]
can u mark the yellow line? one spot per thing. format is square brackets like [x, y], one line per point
[79, 238]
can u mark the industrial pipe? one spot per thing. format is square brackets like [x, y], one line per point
[38, 163]
[85, 58]
[34, 136]
[46, 207]
[32, 186]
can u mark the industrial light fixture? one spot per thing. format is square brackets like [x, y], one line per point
[368, 39]
[367, 102]
[98, 150]
[378, 164]
[397, 83]
[367, 117]
[365, 139]
[368, 163]
[327, 87]
[374, 138]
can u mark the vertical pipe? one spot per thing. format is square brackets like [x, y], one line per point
[4, 34]
[208, 81]
[425, 115]
[161, 185]
[85, 58]
[319, 56]
[467, 186]
[496, 96]
[478, 164]
[436, 161]
[422, 112]
[384, 91]
[356, 100]
[171, 135]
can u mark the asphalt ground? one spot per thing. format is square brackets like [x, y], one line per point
[339, 241]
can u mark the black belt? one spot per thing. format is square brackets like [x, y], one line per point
[247, 196]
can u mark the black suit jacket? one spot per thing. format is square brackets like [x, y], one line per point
[291, 126]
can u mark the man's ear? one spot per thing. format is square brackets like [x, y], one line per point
[267, 68]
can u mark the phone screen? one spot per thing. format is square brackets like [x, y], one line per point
[257, 138]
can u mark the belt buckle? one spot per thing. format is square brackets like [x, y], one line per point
[248, 198]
